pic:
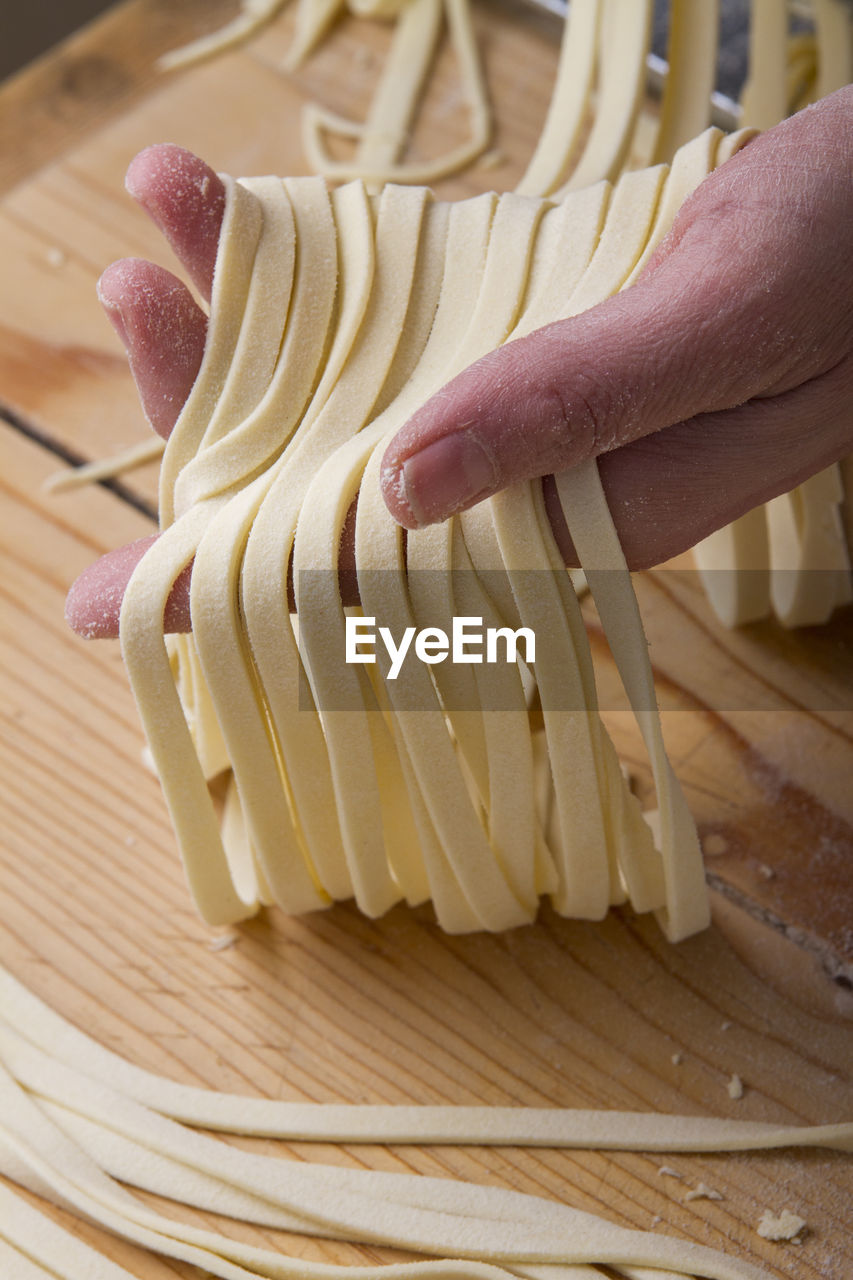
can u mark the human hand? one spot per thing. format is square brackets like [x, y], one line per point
[163, 330]
[720, 379]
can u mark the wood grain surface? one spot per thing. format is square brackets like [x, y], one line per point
[96, 918]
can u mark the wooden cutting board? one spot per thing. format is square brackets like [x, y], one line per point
[96, 918]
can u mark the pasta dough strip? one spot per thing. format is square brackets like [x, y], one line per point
[468, 232]
[240, 278]
[315, 119]
[468, 220]
[733, 565]
[764, 99]
[587, 515]
[253, 16]
[429, 746]
[692, 58]
[238, 240]
[49, 1031]
[313, 18]
[834, 45]
[630, 213]
[809, 563]
[318, 601]
[145, 655]
[219, 634]
[567, 110]
[253, 755]
[623, 42]
[257, 441]
[52, 1251]
[509, 1234]
[395, 100]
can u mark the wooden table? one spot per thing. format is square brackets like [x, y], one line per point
[95, 915]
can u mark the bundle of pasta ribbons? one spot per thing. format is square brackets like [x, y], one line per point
[790, 557]
[80, 1125]
[334, 315]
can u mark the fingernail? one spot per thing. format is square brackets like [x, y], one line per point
[447, 476]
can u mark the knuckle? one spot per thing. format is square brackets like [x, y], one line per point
[583, 414]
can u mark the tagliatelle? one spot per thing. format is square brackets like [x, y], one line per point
[137, 455]
[77, 1117]
[381, 138]
[428, 1215]
[333, 318]
[598, 91]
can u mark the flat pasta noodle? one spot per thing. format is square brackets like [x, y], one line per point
[334, 315]
[438, 805]
[48, 1031]
[77, 1118]
[137, 455]
[598, 92]
[395, 101]
[692, 64]
[483, 1224]
[69, 1135]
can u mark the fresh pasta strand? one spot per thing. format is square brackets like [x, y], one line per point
[257, 484]
[40, 1147]
[75, 1120]
[371, 163]
[334, 315]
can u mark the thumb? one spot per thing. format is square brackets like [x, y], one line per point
[735, 304]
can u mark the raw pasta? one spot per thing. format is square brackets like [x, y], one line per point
[791, 557]
[333, 317]
[78, 1121]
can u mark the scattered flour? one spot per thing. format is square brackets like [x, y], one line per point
[224, 941]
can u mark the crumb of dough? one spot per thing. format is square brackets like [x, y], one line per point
[703, 1192]
[714, 845]
[677, 1059]
[665, 1171]
[55, 257]
[735, 1087]
[224, 941]
[783, 1226]
[766, 873]
[724, 1026]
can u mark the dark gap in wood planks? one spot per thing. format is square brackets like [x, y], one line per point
[833, 963]
[43, 438]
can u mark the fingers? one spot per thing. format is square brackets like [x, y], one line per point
[665, 491]
[153, 313]
[669, 490]
[93, 605]
[742, 299]
[186, 200]
[162, 328]
[163, 331]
